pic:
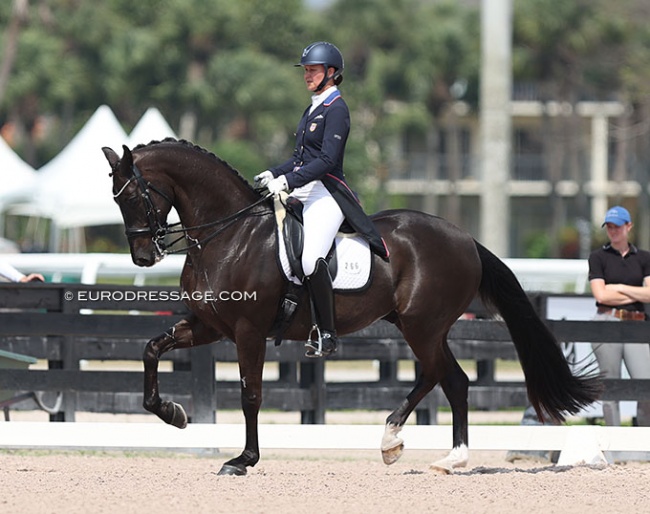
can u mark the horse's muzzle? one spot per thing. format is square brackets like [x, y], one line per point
[144, 262]
[145, 256]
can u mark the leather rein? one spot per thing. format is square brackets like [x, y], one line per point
[159, 230]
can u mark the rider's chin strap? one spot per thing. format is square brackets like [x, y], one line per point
[326, 79]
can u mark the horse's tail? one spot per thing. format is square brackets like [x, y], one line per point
[552, 388]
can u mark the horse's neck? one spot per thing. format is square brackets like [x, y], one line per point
[205, 197]
[206, 190]
[225, 216]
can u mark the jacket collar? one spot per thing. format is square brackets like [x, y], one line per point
[325, 100]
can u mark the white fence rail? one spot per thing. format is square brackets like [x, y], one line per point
[576, 443]
[550, 275]
[89, 268]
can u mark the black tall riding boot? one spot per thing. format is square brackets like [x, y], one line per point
[319, 285]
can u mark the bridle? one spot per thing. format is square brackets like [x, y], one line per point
[156, 229]
[159, 230]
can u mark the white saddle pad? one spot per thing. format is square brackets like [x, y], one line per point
[353, 258]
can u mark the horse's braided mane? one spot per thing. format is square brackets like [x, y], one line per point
[192, 146]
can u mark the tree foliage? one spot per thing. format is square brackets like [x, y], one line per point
[228, 65]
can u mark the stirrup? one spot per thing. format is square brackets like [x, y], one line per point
[315, 346]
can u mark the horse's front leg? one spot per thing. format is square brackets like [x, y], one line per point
[250, 353]
[181, 335]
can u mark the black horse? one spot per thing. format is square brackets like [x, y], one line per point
[434, 273]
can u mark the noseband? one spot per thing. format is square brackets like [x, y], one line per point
[158, 230]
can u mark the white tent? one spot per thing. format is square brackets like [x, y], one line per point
[17, 180]
[16, 176]
[74, 189]
[152, 126]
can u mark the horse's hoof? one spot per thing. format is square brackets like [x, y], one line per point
[228, 469]
[458, 458]
[441, 469]
[392, 455]
[179, 417]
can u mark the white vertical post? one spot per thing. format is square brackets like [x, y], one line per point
[599, 157]
[496, 87]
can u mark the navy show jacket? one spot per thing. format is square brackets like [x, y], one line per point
[318, 155]
[320, 144]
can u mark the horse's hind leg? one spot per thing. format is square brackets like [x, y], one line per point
[437, 365]
[456, 388]
[431, 371]
[181, 335]
[392, 446]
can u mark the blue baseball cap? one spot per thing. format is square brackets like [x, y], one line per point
[618, 216]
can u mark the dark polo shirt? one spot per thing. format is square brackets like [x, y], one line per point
[608, 264]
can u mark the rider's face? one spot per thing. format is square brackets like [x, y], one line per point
[314, 75]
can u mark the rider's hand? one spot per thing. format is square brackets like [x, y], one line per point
[33, 277]
[278, 184]
[263, 178]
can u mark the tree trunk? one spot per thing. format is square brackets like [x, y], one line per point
[18, 19]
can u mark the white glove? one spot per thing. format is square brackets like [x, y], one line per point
[264, 178]
[278, 184]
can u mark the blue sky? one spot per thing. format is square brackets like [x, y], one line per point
[318, 3]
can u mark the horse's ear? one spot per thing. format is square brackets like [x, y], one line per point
[126, 163]
[112, 158]
[127, 155]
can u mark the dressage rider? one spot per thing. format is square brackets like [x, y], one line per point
[314, 173]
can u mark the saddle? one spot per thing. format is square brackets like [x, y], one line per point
[352, 273]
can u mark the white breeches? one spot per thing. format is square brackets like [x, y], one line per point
[322, 219]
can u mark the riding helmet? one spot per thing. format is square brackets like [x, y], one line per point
[327, 54]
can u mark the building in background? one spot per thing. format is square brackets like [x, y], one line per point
[568, 163]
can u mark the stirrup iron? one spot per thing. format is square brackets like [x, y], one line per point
[314, 346]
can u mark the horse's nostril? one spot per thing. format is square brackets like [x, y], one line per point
[142, 261]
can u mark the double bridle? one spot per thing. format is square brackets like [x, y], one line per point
[159, 230]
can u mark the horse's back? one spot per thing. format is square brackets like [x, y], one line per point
[433, 263]
[425, 235]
